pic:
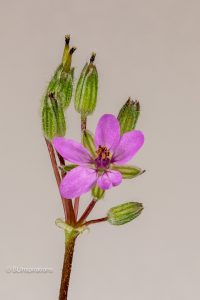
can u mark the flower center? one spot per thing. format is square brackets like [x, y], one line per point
[103, 157]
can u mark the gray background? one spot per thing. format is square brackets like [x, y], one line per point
[146, 49]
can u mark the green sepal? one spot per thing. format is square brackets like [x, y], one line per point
[86, 89]
[68, 168]
[88, 142]
[128, 115]
[97, 192]
[124, 213]
[59, 115]
[127, 172]
[49, 124]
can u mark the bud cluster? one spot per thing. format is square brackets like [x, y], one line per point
[58, 96]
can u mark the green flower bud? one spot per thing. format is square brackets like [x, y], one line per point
[128, 172]
[88, 142]
[128, 115]
[49, 125]
[124, 213]
[59, 115]
[54, 81]
[86, 89]
[97, 192]
[64, 88]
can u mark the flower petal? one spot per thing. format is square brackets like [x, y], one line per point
[109, 179]
[77, 182]
[107, 132]
[72, 151]
[128, 146]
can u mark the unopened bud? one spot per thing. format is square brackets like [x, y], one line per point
[49, 124]
[87, 88]
[128, 172]
[64, 88]
[128, 115]
[124, 213]
[88, 142]
[97, 192]
[59, 115]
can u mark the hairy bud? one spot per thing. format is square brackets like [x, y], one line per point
[59, 115]
[128, 115]
[86, 89]
[49, 124]
[124, 213]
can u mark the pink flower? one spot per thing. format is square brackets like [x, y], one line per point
[111, 148]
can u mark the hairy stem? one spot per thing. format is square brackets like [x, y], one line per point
[96, 221]
[83, 123]
[57, 175]
[67, 265]
[76, 207]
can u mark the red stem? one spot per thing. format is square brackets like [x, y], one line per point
[67, 203]
[96, 221]
[87, 212]
[76, 207]
[67, 266]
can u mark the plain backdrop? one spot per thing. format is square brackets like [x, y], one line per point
[145, 49]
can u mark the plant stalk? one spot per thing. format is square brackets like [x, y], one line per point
[67, 266]
[86, 212]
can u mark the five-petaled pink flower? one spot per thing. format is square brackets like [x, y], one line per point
[111, 148]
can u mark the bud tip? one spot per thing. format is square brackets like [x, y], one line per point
[67, 39]
[92, 58]
[72, 50]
